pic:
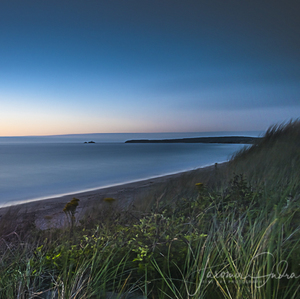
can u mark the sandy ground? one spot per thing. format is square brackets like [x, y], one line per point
[49, 212]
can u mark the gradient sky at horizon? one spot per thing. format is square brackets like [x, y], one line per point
[147, 66]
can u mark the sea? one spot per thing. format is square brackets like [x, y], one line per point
[39, 167]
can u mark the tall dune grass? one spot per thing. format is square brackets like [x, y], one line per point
[274, 161]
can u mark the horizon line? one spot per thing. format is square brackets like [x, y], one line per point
[76, 134]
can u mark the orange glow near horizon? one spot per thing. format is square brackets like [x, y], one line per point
[44, 124]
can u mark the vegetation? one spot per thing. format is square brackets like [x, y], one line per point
[234, 234]
[70, 210]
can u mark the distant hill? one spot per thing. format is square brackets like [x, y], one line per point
[222, 139]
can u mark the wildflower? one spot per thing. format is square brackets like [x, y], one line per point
[199, 186]
[109, 199]
[70, 210]
[71, 206]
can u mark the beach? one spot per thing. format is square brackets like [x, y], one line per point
[49, 213]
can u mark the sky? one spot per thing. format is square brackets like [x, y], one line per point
[101, 66]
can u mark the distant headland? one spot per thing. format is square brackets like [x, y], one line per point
[221, 139]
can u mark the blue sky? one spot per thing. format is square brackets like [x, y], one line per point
[147, 66]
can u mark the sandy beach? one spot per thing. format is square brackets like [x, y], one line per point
[48, 213]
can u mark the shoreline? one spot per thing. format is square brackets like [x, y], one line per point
[98, 189]
[48, 212]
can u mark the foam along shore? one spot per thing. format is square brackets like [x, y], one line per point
[48, 212]
[221, 139]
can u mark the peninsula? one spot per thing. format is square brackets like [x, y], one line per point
[221, 139]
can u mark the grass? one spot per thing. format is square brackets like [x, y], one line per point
[230, 232]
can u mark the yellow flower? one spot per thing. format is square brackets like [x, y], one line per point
[199, 186]
[70, 207]
[109, 199]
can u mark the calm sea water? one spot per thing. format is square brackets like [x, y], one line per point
[33, 168]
